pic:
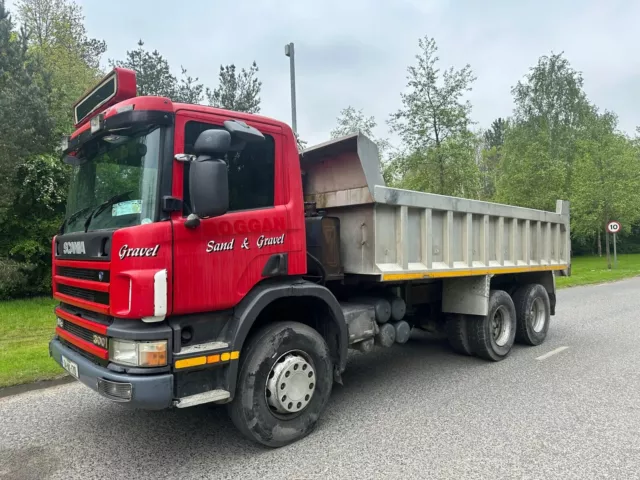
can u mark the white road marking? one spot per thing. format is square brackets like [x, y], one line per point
[552, 352]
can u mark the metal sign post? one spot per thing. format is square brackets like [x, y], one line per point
[614, 227]
[290, 52]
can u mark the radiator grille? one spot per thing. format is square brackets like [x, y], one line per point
[83, 293]
[84, 274]
[78, 331]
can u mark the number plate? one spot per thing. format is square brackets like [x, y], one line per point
[70, 366]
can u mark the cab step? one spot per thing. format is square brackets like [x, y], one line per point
[200, 398]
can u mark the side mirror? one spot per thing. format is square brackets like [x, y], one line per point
[209, 187]
[208, 176]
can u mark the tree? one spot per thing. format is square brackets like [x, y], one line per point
[550, 116]
[26, 126]
[37, 212]
[529, 174]
[490, 157]
[418, 170]
[189, 90]
[606, 180]
[69, 59]
[494, 136]
[352, 121]
[153, 75]
[434, 126]
[433, 110]
[61, 23]
[237, 91]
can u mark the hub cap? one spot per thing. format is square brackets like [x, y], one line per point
[538, 315]
[291, 383]
[501, 326]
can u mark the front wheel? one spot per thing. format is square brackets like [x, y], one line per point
[285, 380]
[492, 336]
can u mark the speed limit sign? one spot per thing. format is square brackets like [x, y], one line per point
[613, 227]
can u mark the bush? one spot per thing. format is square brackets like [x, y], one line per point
[37, 211]
[13, 280]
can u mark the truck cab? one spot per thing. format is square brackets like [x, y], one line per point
[135, 251]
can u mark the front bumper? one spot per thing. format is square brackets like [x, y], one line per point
[149, 392]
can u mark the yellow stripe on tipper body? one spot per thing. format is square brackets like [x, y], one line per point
[394, 277]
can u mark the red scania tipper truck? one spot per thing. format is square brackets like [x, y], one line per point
[204, 259]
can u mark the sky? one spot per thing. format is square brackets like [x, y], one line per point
[356, 52]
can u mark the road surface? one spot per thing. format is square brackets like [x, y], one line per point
[413, 411]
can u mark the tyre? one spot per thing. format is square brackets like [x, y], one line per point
[533, 313]
[284, 383]
[457, 334]
[491, 337]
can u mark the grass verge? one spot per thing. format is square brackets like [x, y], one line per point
[589, 270]
[26, 326]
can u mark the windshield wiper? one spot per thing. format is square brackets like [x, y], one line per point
[72, 217]
[103, 206]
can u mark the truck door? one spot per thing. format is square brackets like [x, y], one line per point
[219, 261]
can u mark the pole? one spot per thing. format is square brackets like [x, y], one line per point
[615, 252]
[289, 52]
[606, 237]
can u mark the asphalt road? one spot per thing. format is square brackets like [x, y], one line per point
[412, 411]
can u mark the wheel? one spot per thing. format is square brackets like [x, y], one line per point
[492, 336]
[285, 380]
[533, 313]
[457, 334]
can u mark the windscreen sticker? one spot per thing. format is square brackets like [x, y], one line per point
[130, 207]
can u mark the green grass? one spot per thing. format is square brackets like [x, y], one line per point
[589, 270]
[26, 326]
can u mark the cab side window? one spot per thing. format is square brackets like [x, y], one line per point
[251, 171]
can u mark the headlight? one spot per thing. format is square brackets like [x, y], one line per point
[138, 354]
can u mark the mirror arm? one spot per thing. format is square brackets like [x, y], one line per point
[192, 221]
[184, 157]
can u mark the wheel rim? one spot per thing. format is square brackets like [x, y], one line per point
[291, 383]
[538, 315]
[501, 326]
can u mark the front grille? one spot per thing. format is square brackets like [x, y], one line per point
[78, 331]
[89, 295]
[84, 274]
[86, 314]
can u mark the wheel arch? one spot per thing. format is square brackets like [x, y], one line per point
[546, 278]
[262, 305]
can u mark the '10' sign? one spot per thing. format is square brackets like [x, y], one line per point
[613, 227]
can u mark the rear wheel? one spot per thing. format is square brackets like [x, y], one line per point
[457, 334]
[285, 380]
[492, 336]
[533, 311]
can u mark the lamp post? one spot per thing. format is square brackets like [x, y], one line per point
[289, 52]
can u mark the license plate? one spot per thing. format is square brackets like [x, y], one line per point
[70, 366]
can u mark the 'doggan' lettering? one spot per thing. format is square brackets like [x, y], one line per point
[253, 225]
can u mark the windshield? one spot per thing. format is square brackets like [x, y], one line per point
[118, 184]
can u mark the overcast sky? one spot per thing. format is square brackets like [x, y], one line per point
[356, 52]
